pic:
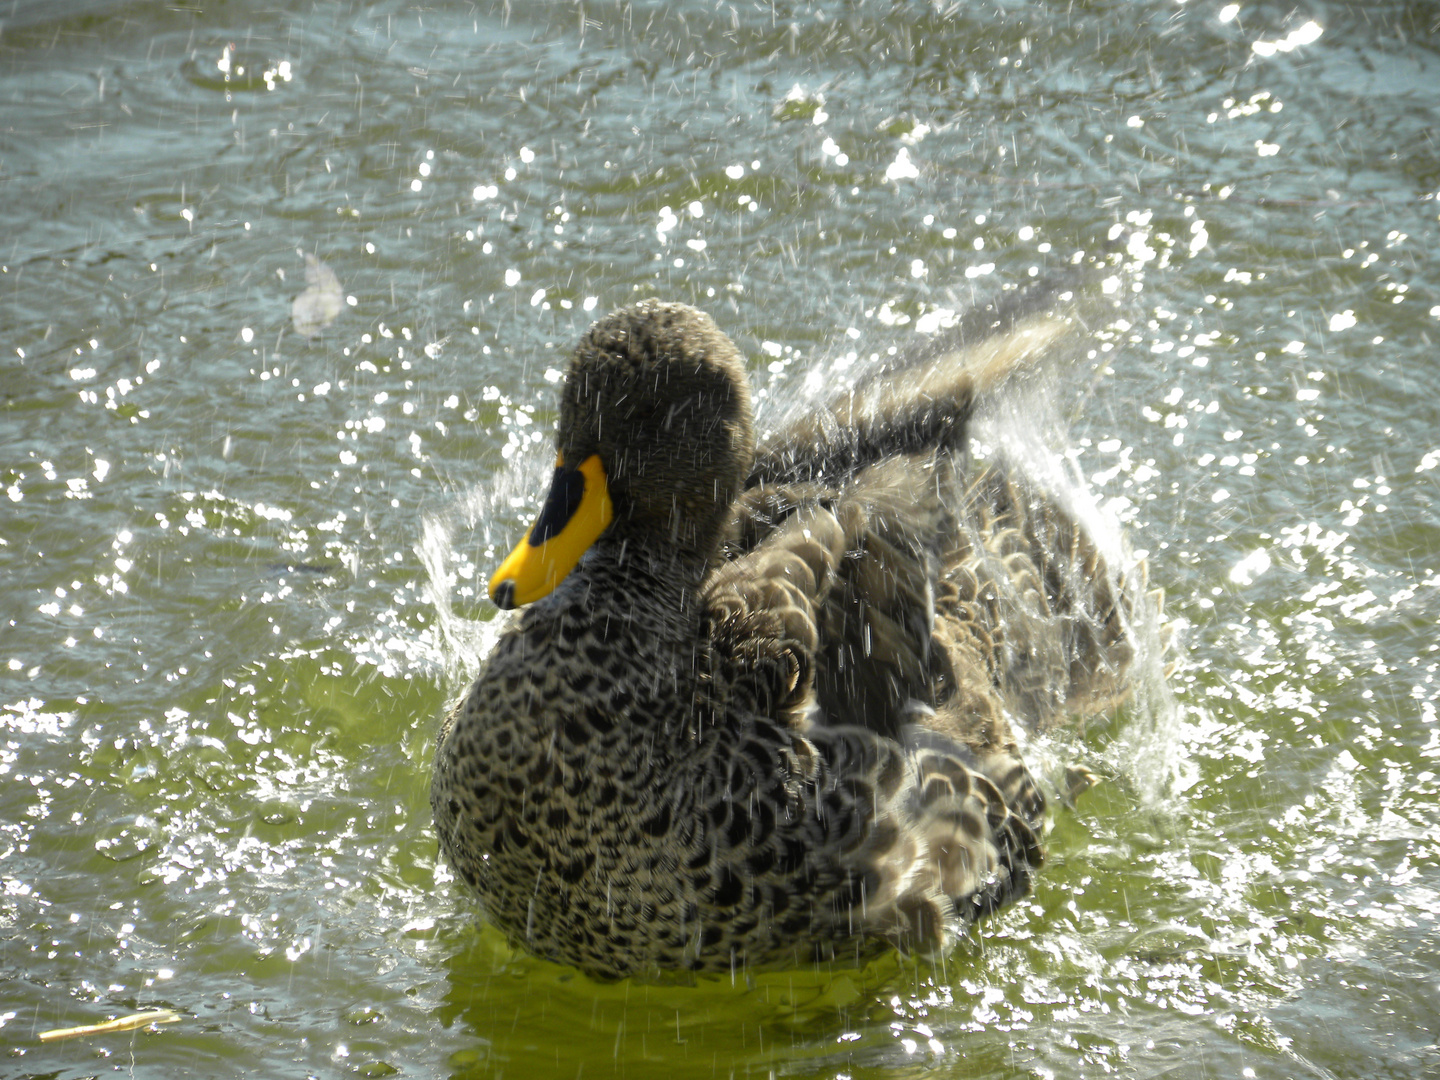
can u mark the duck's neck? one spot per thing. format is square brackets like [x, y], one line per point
[641, 607]
[639, 570]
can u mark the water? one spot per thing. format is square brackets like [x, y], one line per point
[222, 655]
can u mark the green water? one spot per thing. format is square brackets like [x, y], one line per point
[241, 566]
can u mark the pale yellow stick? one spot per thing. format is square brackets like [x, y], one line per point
[120, 1023]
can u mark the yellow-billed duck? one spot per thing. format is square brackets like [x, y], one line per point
[757, 710]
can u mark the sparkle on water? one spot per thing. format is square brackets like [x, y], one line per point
[284, 299]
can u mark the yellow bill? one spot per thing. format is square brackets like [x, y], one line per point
[575, 513]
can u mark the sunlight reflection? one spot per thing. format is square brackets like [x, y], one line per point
[1302, 35]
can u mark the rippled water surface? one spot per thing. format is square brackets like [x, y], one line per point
[242, 565]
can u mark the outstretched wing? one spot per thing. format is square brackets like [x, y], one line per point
[922, 404]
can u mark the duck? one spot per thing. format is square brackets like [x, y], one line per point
[759, 699]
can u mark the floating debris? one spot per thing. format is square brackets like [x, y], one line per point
[133, 1022]
[321, 302]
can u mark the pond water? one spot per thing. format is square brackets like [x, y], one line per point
[242, 565]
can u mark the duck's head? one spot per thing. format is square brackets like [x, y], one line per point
[654, 443]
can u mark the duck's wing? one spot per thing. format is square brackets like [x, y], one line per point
[899, 659]
[850, 574]
[876, 650]
[1028, 587]
[885, 458]
[826, 622]
[923, 402]
[762, 624]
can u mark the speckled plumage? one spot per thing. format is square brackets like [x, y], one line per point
[766, 718]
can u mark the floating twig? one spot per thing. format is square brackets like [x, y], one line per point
[121, 1023]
